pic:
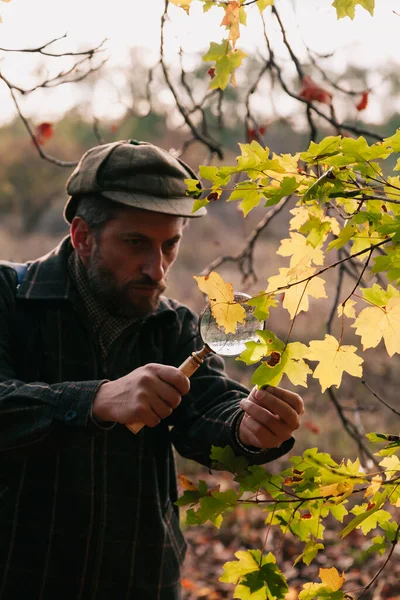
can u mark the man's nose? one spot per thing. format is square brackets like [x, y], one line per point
[154, 267]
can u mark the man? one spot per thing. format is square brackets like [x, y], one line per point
[89, 344]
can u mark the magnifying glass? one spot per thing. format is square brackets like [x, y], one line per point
[216, 340]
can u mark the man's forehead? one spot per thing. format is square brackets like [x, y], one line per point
[146, 222]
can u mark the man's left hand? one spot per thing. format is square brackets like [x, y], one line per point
[271, 416]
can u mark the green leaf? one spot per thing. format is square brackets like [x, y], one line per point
[394, 141]
[257, 576]
[345, 235]
[208, 172]
[225, 458]
[197, 204]
[346, 8]
[248, 561]
[379, 438]
[274, 194]
[310, 551]
[378, 296]
[263, 302]
[329, 146]
[367, 520]
[193, 188]
[216, 51]
[212, 507]
[250, 194]
[262, 4]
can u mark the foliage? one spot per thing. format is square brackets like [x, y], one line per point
[344, 199]
[300, 500]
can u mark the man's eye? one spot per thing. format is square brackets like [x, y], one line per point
[170, 245]
[136, 243]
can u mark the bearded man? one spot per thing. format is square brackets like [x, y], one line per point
[89, 344]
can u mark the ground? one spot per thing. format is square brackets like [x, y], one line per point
[209, 548]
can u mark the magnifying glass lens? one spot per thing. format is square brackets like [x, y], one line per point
[230, 344]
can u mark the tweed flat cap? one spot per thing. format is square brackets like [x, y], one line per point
[136, 174]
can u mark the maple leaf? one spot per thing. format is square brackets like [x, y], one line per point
[312, 91]
[231, 20]
[185, 4]
[377, 322]
[296, 297]
[333, 361]
[299, 249]
[362, 105]
[224, 309]
[43, 132]
[374, 486]
[227, 60]
[262, 302]
[347, 309]
[329, 588]
[258, 576]
[346, 8]
[262, 4]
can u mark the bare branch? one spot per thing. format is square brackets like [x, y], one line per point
[207, 141]
[245, 257]
[42, 154]
[351, 428]
[396, 412]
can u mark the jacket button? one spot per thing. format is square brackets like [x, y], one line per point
[70, 415]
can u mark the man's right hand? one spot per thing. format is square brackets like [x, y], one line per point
[146, 395]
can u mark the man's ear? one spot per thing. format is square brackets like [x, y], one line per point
[81, 237]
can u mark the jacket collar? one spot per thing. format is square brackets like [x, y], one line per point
[48, 278]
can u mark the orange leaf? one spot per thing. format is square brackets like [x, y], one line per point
[362, 105]
[312, 91]
[43, 132]
[187, 484]
[231, 20]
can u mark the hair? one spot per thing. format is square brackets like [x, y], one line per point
[97, 210]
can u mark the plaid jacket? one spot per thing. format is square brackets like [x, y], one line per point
[87, 513]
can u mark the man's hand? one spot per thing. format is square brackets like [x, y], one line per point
[146, 395]
[271, 416]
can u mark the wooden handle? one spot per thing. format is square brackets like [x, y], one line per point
[188, 367]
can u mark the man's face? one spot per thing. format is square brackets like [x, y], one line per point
[130, 259]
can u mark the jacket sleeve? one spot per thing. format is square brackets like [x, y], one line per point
[209, 414]
[36, 417]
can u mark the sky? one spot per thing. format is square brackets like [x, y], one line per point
[367, 41]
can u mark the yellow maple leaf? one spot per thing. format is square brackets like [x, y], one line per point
[298, 248]
[374, 486]
[297, 297]
[347, 309]
[331, 578]
[224, 309]
[185, 4]
[231, 20]
[302, 214]
[333, 361]
[377, 322]
[391, 464]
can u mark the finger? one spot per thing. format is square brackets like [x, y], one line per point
[263, 434]
[265, 418]
[167, 393]
[294, 400]
[278, 407]
[174, 377]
